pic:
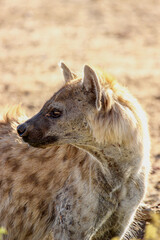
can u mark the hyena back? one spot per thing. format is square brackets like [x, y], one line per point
[91, 180]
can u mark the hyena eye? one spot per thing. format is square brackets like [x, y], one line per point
[55, 113]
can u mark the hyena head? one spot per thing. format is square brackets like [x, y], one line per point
[63, 118]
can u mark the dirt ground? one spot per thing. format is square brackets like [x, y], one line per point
[120, 36]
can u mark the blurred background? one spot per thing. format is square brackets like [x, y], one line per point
[120, 36]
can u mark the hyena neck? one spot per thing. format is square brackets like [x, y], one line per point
[112, 157]
[102, 153]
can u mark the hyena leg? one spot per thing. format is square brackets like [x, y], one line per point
[128, 207]
[115, 226]
[119, 222]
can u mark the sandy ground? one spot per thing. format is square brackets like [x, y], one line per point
[121, 36]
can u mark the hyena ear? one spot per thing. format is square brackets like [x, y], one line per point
[68, 75]
[91, 83]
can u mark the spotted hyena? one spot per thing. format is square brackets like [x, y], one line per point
[86, 173]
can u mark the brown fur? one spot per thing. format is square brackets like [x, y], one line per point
[89, 183]
[31, 181]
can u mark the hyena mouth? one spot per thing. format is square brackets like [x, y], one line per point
[41, 143]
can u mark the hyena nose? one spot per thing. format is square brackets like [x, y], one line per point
[22, 130]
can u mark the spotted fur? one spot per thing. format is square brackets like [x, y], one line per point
[88, 173]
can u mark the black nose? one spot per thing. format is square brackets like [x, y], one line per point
[22, 130]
